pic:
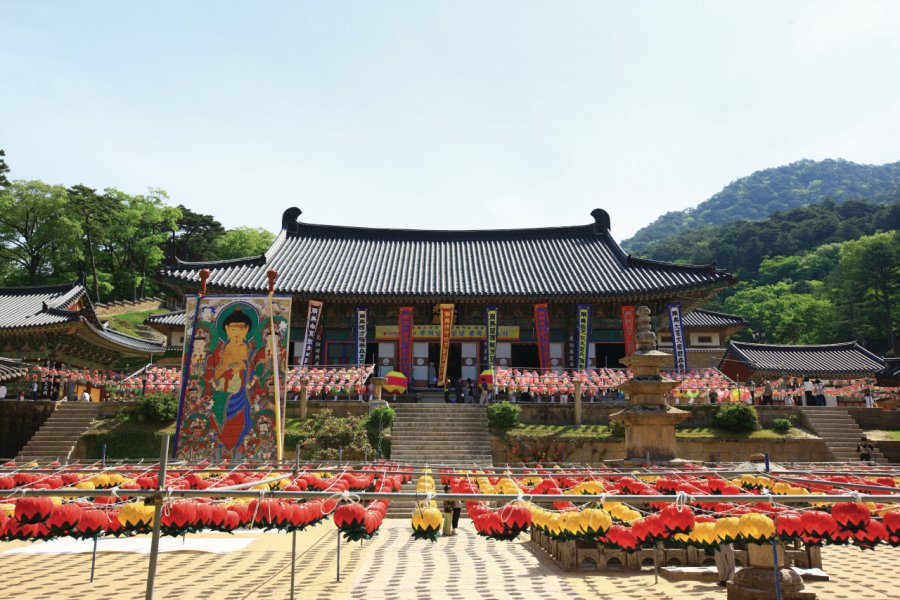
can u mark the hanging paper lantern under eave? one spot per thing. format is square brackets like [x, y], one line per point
[396, 383]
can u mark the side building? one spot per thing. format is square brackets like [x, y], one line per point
[564, 268]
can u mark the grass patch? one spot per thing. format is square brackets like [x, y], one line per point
[721, 434]
[592, 432]
[129, 438]
[882, 434]
[133, 323]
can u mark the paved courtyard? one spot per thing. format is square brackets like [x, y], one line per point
[391, 566]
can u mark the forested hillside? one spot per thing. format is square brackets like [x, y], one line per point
[822, 273]
[778, 189]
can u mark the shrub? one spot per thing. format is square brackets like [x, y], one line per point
[502, 415]
[737, 417]
[378, 421]
[320, 436]
[781, 425]
[158, 407]
[616, 429]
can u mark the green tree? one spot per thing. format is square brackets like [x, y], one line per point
[95, 213]
[871, 267]
[194, 237]
[243, 241]
[788, 317]
[4, 169]
[37, 235]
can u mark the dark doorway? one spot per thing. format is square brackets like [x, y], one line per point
[608, 355]
[526, 356]
[454, 359]
[371, 353]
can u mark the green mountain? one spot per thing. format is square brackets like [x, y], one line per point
[779, 189]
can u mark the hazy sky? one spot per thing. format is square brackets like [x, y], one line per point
[449, 115]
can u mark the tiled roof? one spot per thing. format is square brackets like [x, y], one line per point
[324, 260]
[11, 368]
[847, 359]
[49, 305]
[40, 305]
[705, 319]
[890, 374]
[169, 319]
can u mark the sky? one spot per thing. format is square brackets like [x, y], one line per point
[442, 115]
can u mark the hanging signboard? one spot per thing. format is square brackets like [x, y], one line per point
[446, 325]
[312, 324]
[362, 332]
[542, 331]
[677, 328]
[628, 329]
[584, 333]
[490, 319]
[404, 335]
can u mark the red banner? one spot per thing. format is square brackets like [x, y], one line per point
[446, 325]
[404, 330]
[628, 329]
[542, 330]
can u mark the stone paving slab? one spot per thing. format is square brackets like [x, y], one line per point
[392, 567]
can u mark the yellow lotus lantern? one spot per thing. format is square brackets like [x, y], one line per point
[426, 522]
[728, 529]
[396, 383]
[703, 535]
[425, 484]
[756, 528]
[137, 516]
[595, 521]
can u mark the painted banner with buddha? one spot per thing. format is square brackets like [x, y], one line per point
[226, 407]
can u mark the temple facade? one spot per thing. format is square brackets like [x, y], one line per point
[513, 270]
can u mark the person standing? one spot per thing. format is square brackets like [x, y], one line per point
[808, 391]
[85, 396]
[458, 391]
[470, 392]
[447, 391]
[432, 376]
[751, 386]
[724, 555]
[870, 400]
[34, 390]
[484, 394]
[767, 392]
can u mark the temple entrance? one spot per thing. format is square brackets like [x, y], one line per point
[454, 359]
[525, 356]
[609, 354]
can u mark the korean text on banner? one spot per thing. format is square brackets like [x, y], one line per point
[542, 329]
[490, 317]
[584, 334]
[362, 332]
[446, 326]
[404, 328]
[628, 329]
[312, 324]
[677, 328]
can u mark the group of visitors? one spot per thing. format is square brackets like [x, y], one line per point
[33, 392]
[466, 392]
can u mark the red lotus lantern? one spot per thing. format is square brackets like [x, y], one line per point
[817, 526]
[851, 516]
[622, 537]
[870, 536]
[34, 510]
[64, 518]
[93, 522]
[788, 526]
[677, 519]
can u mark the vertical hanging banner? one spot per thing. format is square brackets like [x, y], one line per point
[318, 348]
[312, 324]
[628, 329]
[542, 330]
[584, 334]
[446, 326]
[227, 401]
[404, 330]
[362, 332]
[490, 335]
[677, 329]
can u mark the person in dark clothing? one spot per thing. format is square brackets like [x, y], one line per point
[447, 390]
[456, 509]
[767, 393]
[713, 396]
[865, 448]
[460, 393]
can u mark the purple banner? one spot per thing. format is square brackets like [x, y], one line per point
[542, 329]
[404, 328]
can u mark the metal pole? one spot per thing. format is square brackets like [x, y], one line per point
[103, 456]
[339, 555]
[767, 462]
[294, 532]
[94, 558]
[777, 574]
[157, 515]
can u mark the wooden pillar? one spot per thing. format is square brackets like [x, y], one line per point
[578, 404]
[304, 397]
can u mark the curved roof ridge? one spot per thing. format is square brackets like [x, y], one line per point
[306, 229]
[718, 313]
[38, 289]
[244, 261]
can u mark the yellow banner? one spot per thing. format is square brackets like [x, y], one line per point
[446, 326]
[457, 332]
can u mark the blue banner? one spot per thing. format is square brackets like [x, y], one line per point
[362, 332]
[584, 335]
[677, 329]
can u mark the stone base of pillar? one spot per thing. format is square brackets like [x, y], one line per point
[757, 582]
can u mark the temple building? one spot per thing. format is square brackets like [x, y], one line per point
[705, 335]
[744, 361]
[58, 323]
[566, 270]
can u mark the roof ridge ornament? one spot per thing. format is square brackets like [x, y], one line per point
[289, 219]
[601, 221]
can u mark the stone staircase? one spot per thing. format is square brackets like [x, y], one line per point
[436, 434]
[58, 436]
[839, 432]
